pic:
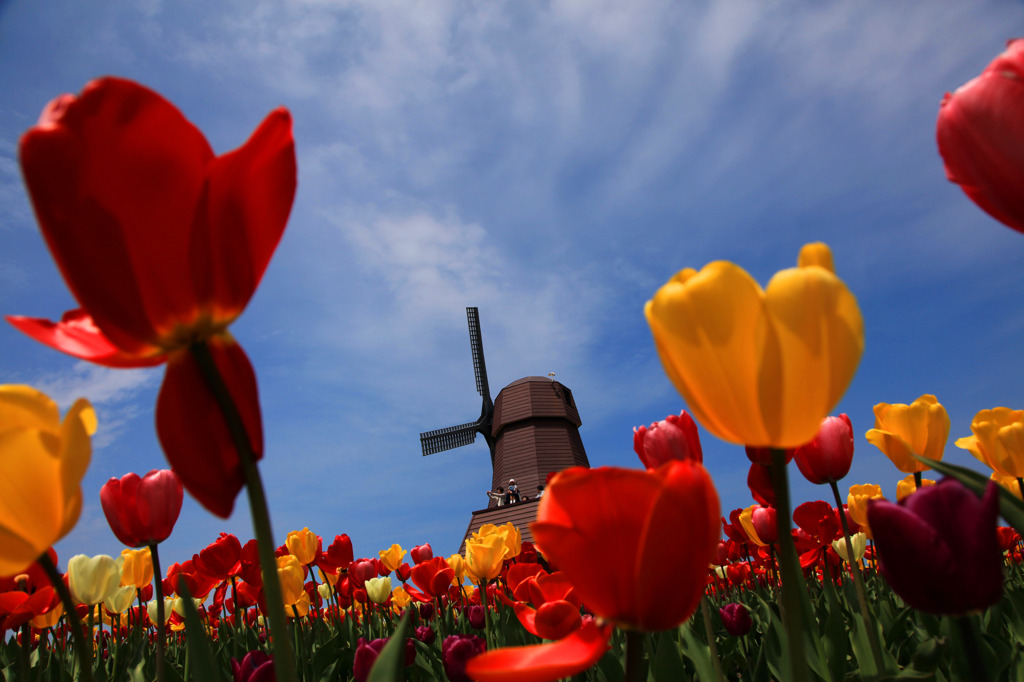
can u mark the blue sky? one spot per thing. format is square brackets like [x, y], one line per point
[553, 164]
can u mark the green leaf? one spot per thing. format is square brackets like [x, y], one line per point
[391, 661]
[1010, 508]
[203, 666]
[667, 663]
[697, 651]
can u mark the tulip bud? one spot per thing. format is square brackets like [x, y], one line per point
[456, 651]
[378, 589]
[675, 437]
[828, 457]
[421, 553]
[859, 541]
[764, 520]
[736, 619]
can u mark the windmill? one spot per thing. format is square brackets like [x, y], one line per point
[531, 429]
[456, 436]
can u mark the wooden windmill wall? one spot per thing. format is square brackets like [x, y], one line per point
[531, 430]
[536, 430]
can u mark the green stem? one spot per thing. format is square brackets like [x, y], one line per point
[82, 647]
[161, 620]
[792, 577]
[918, 480]
[634, 656]
[284, 657]
[967, 629]
[709, 629]
[858, 584]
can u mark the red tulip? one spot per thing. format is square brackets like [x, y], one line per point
[828, 457]
[658, 520]
[222, 558]
[162, 244]
[980, 133]
[675, 437]
[338, 554]
[541, 662]
[142, 511]
[819, 520]
[433, 577]
[421, 553]
[759, 480]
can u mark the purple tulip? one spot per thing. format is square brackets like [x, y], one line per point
[938, 547]
[736, 619]
[256, 666]
[456, 650]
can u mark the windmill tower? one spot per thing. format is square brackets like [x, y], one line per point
[531, 430]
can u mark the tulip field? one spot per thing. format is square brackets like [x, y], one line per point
[634, 574]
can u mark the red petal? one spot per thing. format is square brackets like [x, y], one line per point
[115, 176]
[77, 335]
[192, 429]
[242, 215]
[542, 662]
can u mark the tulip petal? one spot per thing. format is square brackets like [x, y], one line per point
[192, 430]
[242, 214]
[709, 354]
[114, 176]
[687, 499]
[542, 662]
[902, 539]
[821, 338]
[618, 503]
[77, 335]
[29, 471]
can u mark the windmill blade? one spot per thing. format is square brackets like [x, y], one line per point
[448, 438]
[476, 345]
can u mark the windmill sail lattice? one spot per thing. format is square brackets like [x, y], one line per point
[452, 437]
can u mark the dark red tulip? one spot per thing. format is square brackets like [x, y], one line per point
[403, 572]
[763, 455]
[425, 633]
[736, 619]
[938, 547]
[828, 457]
[456, 652]
[142, 511]
[675, 437]
[980, 133]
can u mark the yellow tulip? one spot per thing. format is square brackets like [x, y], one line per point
[857, 504]
[400, 598]
[151, 607]
[300, 608]
[92, 579]
[485, 557]
[458, 565]
[509, 534]
[120, 600]
[178, 605]
[920, 428]
[325, 591]
[42, 462]
[859, 542]
[747, 521]
[378, 589]
[48, 619]
[998, 440]
[392, 557]
[136, 567]
[292, 578]
[908, 485]
[1008, 482]
[759, 367]
[303, 545]
[328, 577]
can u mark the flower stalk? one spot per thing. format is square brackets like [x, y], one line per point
[284, 657]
